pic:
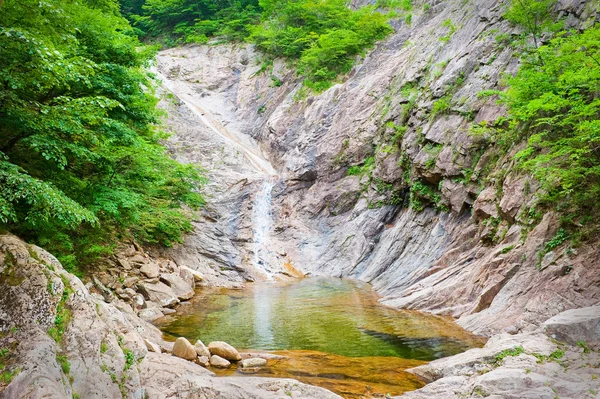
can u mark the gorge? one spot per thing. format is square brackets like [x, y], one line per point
[378, 180]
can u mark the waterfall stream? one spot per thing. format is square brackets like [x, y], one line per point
[258, 166]
[262, 220]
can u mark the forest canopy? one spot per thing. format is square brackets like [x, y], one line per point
[81, 164]
[322, 37]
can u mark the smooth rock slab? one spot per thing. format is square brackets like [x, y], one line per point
[219, 362]
[253, 363]
[576, 325]
[224, 350]
[184, 349]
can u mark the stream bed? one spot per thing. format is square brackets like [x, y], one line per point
[331, 333]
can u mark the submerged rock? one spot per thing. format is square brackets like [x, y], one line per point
[224, 350]
[253, 363]
[184, 349]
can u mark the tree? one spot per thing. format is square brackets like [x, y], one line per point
[81, 163]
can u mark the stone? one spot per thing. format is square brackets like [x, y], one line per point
[203, 361]
[150, 314]
[254, 362]
[159, 293]
[224, 350]
[152, 347]
[201, 349]
[182, 290]
[576, 325]
[150, 270]
[124, 263]
[105, 292]
[184, 349]
[138, 258]
[138, 301]
[198, 277]
[129, 282]
[168, 311]
[219, 362]
[187, 276]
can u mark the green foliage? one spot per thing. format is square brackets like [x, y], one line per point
[422, 195]
[584, 346]
[81, 164]
[7, 376]
[129, 359]
[324, 36]
[366, 167]
[441, 106]
[516, 351]
[554, 105]
[451, 29]
[63, 313]
[64, 363]
[560, 237]
[534, 17]
[191, 21]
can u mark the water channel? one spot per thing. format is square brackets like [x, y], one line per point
[331, 333]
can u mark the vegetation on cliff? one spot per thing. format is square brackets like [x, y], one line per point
[81, 164]
[554, 106]
[322, 36]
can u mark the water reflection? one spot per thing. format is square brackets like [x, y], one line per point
[333, 332]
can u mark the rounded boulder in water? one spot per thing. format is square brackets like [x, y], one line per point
[224, 350]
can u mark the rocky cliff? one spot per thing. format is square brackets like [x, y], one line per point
[380, 179]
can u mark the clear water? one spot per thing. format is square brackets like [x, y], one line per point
[333, 332]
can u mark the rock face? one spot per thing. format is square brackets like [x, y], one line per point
[576, 326]
[511, 367]
[224, 350]
[184, 349]
[89, 358]
[478, 262]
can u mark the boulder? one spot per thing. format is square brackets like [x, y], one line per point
[124, 263]
[159, 293]
[203, 361]
[253, 363]
[180, 287]
[150, 314]
[150, 270]
[576, 325]
[184, 349]
[224, 350]
[201, 349]
[198, 277]
[219, 362]
[152, 347]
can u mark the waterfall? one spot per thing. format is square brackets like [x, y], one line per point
[262, 220]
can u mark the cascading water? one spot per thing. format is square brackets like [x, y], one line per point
[262, 220]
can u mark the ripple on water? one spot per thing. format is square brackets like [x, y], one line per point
[333, 332]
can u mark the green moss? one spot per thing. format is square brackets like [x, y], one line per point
[63, 313]
[64, 363]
